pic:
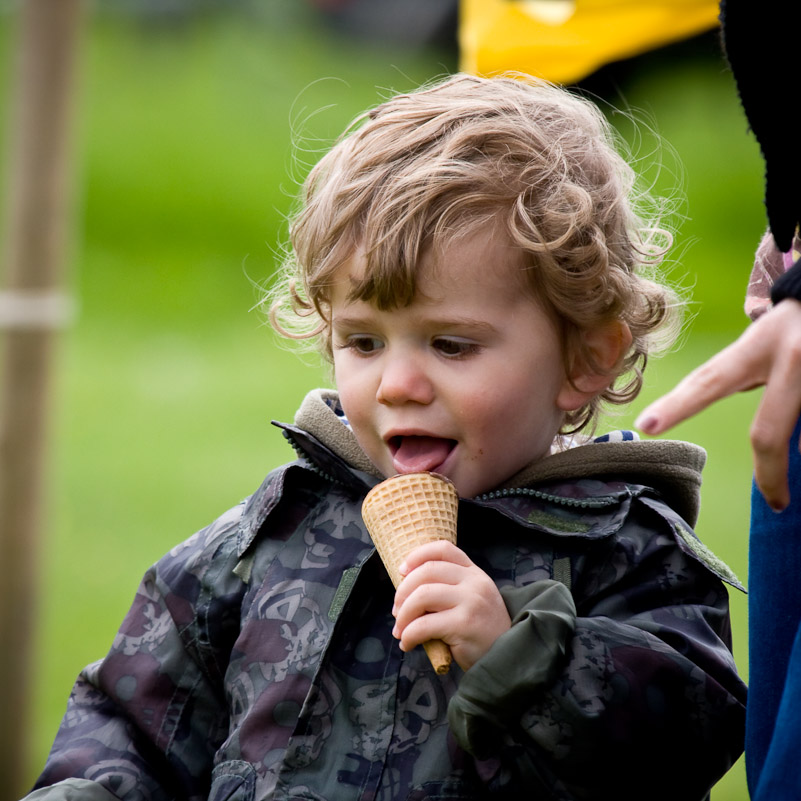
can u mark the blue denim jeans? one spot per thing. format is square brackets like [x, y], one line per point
[773, 719]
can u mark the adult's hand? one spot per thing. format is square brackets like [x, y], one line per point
[768, 353]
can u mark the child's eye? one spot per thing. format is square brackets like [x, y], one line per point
[362, 345]
[454, 348]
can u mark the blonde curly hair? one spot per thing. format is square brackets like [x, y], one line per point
[431, 165]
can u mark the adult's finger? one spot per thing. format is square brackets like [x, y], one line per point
[734, 369]
[746, 363]
[772, 429]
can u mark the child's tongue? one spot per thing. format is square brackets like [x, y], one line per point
[420, 454]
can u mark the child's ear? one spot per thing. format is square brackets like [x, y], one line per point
[607, 345]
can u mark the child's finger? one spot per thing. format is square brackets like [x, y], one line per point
[425, 628]
[428, 573]
[439, 586]
[425, 601]
[439, 551]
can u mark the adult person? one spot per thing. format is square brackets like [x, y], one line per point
[758, 41]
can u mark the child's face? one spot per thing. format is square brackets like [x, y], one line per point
[467, 381]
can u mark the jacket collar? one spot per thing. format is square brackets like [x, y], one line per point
[671, 467]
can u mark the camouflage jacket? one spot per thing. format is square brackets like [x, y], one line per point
[257, 660]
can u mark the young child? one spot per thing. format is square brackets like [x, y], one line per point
[468, 257]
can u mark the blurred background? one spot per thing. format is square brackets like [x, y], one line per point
[194, 124]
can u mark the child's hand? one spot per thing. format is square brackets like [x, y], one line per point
[445, 596]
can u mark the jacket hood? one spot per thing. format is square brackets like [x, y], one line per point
[671, 467]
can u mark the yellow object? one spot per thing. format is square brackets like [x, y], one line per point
[404, 512]
[563, 41]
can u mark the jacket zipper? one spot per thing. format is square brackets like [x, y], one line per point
[576, 503]
[301, 454]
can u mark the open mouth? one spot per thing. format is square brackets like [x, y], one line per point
[416, 454]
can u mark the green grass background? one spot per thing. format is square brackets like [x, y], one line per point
[168, 380]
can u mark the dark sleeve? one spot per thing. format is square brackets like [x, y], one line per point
[760, 41]
[524, 659]
[640, 684]
[144, 723]
[787, 285]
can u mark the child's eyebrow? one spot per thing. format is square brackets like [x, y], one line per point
[353, 322]
[338, 321]
[466, 322]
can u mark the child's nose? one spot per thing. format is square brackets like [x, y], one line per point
[404, 380]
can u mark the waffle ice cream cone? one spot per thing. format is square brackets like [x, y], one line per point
[406, 511]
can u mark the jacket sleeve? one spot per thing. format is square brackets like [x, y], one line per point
[787, 285]
[632, 680]
[145, 722]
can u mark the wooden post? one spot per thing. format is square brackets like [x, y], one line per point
[34, 246]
